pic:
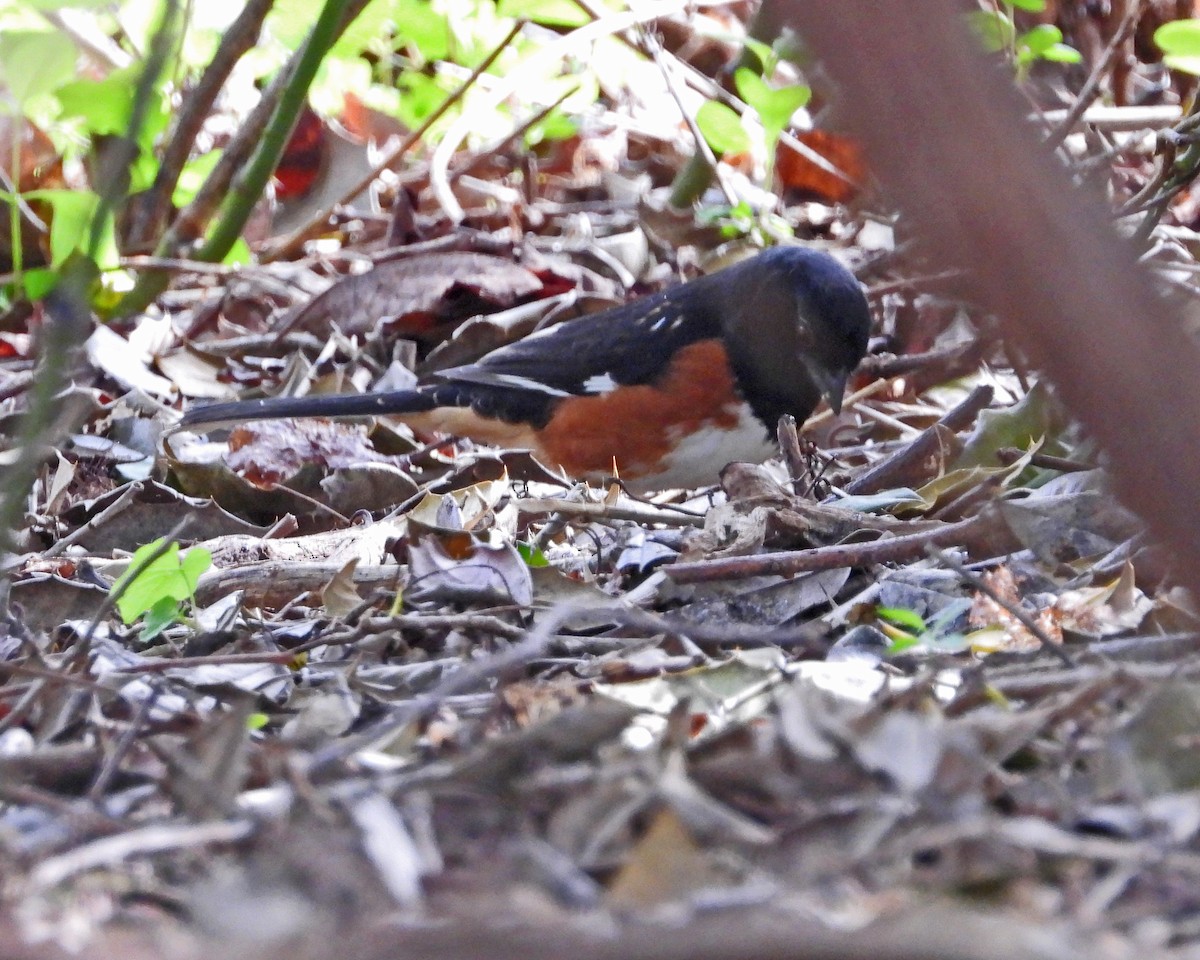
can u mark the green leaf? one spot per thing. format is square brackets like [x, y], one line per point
[239, 254]
[722, 128]
[192, 177]
[750, 86]
[160, 616]
[994, 29]
[900, 644]
[70, 225]
[1180, 42]
[104, 106]
[532, 556]
[426, 29]
[290, 20]
[34, 63]
[1041, 38]
[1034, 6]
[375, 21]
[881, 501]
[774, 107]
[902, 617]
[764, 53]
[1032, 418]
[1179, 36]
[256, 721]
[556, 125]
[195, 562]
[1062, 53]
[1183, 64]
[168, 578]
[421, 96]
[39, 282]
[554, 13]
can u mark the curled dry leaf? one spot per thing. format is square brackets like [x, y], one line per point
[417, 294]
[1003, 630]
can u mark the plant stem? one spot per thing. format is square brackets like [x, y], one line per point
[241, 36]
[250, 183]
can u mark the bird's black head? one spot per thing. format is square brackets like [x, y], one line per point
[798, 324]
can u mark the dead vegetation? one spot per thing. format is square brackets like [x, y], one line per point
[924, 687]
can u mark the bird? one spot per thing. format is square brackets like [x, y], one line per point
[662, 391]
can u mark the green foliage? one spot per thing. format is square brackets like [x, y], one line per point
[553, 13]
[742, 220]
[1180, 44]
[997, 30]
[774, 107]
[193, 176]
[38, 68]
[532, 556]
[72, 222]
[722, 128]
[907, 629]
[556, 125]
[902, 617]
[1044, 42]
[33, 63]
[157, 589]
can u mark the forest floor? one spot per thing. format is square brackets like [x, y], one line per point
[920, 688]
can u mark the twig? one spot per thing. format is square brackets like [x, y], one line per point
[118, 506]
[1010, 455]
[291, 245]
[602, 511]
[190, 222]
[1121, 119]
[809, 639]
[158, 838]
[691, 182]
[790, 562]
[248, 185]
[470, 674]
[789, 447]
[480, 623]
[978, 583]
[113, 762]
[1091, 86]
[516, 79]
[194, 109]
[903, 462]
[105, 51]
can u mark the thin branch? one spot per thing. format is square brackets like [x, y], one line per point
[236, 41]
[291, 245]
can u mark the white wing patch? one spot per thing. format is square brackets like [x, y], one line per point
[599, 383]
[660, 316]
[489, 378]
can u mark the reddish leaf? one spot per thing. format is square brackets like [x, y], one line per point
[799, 172]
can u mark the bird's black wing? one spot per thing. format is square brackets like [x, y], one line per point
[629, 344]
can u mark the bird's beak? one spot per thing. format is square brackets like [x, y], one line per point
[831, 383]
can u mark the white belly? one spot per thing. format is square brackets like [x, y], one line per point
[697, 458]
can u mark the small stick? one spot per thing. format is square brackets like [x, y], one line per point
[905, 461]
[978, 583]
[789, 562]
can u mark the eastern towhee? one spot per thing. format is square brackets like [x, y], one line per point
[664, 391]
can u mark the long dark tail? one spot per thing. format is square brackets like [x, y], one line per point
[332, 406]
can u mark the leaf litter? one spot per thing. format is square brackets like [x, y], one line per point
[425, 682]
